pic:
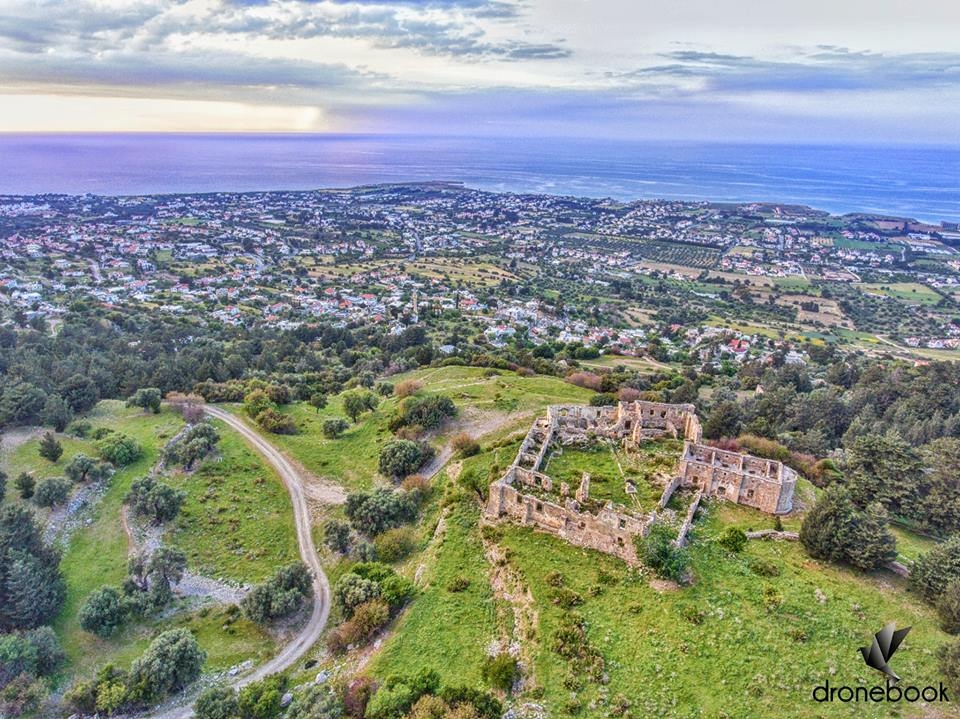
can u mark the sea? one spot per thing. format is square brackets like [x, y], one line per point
[920, 182]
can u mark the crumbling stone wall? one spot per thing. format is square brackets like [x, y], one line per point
[524, 494]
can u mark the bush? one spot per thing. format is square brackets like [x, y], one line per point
[103, 612]
[82, 468]
[407, 388]
[352, 590]
[733, 540]
[276, 423]
[660, 554]
[171, 662]
[400, 458]
[949, 660]
[119, 449]
[603, 399]
[217, 703]
[501, 671]
[336, 535]
[154, 499]
[379, 510]
[465, 445]
[147, 398]
[936, 569]
[333, 428]
[79, 428]
[764, 567]
[948, 607]
[51, 492]
[427, 412]
[356, 403]
[50, 449]
[459, 584]
[279, 596]
[25, 484]
[256, 403]
[395, 544]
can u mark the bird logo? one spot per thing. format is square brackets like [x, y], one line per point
[885, 644]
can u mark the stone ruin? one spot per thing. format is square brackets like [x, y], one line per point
[526, 495]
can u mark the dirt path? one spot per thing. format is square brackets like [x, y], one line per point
[310, 633]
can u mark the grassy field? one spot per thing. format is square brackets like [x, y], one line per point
[97, 553]
[351, 460]
[912, 292]
[718, 648]
[237, 521]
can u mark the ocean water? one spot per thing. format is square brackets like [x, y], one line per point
[919, 182]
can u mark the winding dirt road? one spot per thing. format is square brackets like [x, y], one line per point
[310, 633]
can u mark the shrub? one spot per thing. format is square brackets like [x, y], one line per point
[934, 570]
[51, 492]
[949, 660]
[356, 403]
[587, 380]
[276, 422]
[379, 510]
[352, 590]
[257, 402]
[459, 584]
[367, 619]
[603, 399]
[171, 662]
[333, 428]
[417, 487]
[279, 596]
[660, 554]
[336, 535]
[501, 671]
[217, 703]
[407, 388]
[427, 412]
[188, 406]
[465, 445]
[79, 428]
[25, 484]
[733, 540]
[400, 458]
[764, 567]
[50, 449]
[147, 398]
[103, 612]
[82, 468]
[154, 499]
[948, 607]
[119, 449]
[395, 544]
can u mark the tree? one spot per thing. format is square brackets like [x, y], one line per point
[82, 468]
[50, 449]
[400, 458]
[317, 702]
[119, 449]
[356, 403]
[333, 428]
[352, 590]
[165, 568]
[885, 469]
[103, 612]
[934, 570]
[379, 510]
[3, 486]
[336, 535]
[723, 421]
[426, 412]
[51, 492]
[318, 401]
[835, 530]
[56, 413]
[171, 662]
[154, 499]
[25, 484]
[147, 398]
[33, 589]
[949, 659]
[257, 402]
[80, 393]
[948, 607]
[279, 596]
[217, 703]
[276, 422]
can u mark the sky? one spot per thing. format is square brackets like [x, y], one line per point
[884, 71]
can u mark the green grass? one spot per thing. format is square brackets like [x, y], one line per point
[912, 292]
[351, 460]
[237, 522]
[442, 630]
[97, 554]
[742, 660]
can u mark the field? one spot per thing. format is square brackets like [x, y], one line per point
[910, 292]
[469, 272]
[508, 402]
[237, 521]
[718, 648]
[97, 553]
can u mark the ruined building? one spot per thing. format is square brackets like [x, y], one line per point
[527, 496]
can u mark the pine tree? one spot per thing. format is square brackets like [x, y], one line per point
[50, 449]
